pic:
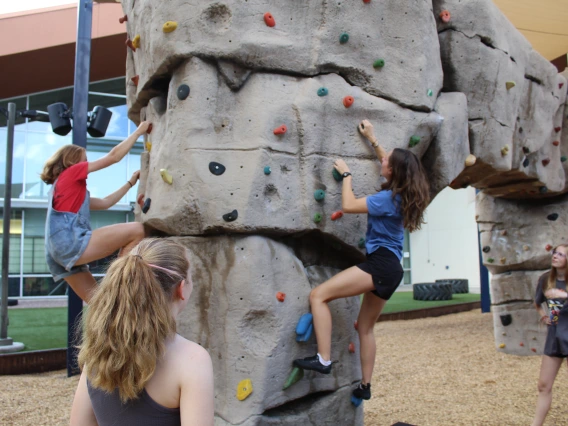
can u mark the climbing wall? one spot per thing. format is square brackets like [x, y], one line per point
[251, 103]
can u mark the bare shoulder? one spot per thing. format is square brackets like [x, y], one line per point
[190, 354]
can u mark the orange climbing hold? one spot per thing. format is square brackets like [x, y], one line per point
[281, 296]
[150, 127]
[533, 349]
[337, 215]
[123, 19]
[269, 19]
[352, 347]
[521, 344]
[548, 247]
[445, 16]
[280, 130]
[348, 101]
[129, 43]
[135, 80]
[556, 143]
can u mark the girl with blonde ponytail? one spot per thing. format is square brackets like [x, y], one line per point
[136, 369]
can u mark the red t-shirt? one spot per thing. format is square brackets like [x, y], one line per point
[71, 188]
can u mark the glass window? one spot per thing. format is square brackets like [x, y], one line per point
[406, 258]
[15, 239]
[17, 162]
[13, 286]
[34, 242]
[105, 182]
[20, 104]
[43, 286]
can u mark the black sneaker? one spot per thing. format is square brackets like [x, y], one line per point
[312, 363]
[362, 391]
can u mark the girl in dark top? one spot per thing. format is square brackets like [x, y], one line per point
[400, 204]
[136, 370]
[551, 289]
[70, 244]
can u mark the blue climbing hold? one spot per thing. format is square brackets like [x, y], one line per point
[304, 323]
[336, 175]
[322, 91]
[183, 92]
[306, 336]
[267, 170]
[344, 38]
[319, 194]
[356, 401]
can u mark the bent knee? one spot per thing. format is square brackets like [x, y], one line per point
[316, 295]
[544, 387]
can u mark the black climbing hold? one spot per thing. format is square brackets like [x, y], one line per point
[183, 92]
[552, 216]
[216, 168]
[526, 150]
[543, 189]
[486, 249]
[146, 206]
[526, 162]
[336, 175]
[506, 319]
[230, 217]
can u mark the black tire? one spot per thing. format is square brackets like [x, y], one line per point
[432, 291]
[12, 302]
[459, 286]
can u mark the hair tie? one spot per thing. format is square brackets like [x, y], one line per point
[138, 256]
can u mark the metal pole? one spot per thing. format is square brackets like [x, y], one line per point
[80, 109]
[4, 340]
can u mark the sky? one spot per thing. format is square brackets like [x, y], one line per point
[20, 5]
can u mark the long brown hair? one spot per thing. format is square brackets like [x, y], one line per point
[64, 157]
[128, 319]
[552, 275]
[409, 180]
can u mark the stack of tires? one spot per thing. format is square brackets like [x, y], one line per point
[432, 291]
[459, 286]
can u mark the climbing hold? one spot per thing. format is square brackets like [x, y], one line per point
[552, 216]
[556, 143]
[295, 376]
[526, 149]
[534, 338]
[317, 217]
[344, 38]
[306, 336]
[354, 400]
[280, 296]
[526, 162]
[135, 80]
[183, 92]
[379, 63]
[304, 323]
[502, 345]
[148, 146]
[348, 101]
[445, 16]
[230, 217]
[356, 325]
[503, 260]
[319, 194]
[470, 160]
[216, 168]
[146, 206]
[505, 150]
[521, 344]
[526, 248]
[337, 215]
[504, 334]
[129, 43]
[170, 26]
[269, 19]
[490, 260]
[506, 319]
[280, 130]
[557, 129]
[361, 242]
[545, 162]
[503, 232]
[533, 349]
[267, 170]
[352, 347]
[136, 41]
[244, 389]
[429, 92]
[548, 247]
[150, 127]
[486, 249]
[510, 84]
[560, 85]
[123, 19]
[543, 189]
[336, 175]
[366, 1]
[563, 158]
[414, 140]
[322, 91]
[166, 176]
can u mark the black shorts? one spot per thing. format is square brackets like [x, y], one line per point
[385, 268]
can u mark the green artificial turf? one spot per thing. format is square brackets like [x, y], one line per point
[403, 301]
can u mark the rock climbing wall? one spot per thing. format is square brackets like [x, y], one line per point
[251, 103]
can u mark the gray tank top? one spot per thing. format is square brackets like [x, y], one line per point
[143, 411]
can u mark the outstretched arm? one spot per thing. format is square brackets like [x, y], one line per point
[366, 129]
[118, 152]
[349, 203]
[116, 196]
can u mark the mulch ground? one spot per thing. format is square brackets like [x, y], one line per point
[435, 371]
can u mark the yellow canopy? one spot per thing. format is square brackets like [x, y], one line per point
[543, 22]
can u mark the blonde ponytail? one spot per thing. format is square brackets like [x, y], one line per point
[128, 319]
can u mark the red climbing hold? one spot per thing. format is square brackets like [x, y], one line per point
[280, 130]
[356, 325]
[533, 349]
[128, 42]
[281, 296]
[366, 1]
[348, 101]
[548, 247]
[135, 80]
[269, 19]
[337, 215]
[521, 344]
[123, 19]
[560, 85]
[352, 347]
[557, 129]
[556, 143]
[445, 16]
[545, 162]
[150, 127]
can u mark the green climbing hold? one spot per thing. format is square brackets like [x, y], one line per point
[319, 194]
[414, 140]
[490, 260]
[336, 175]
[430, 92]
[379, 63]
[362, 242]
[318, 217]
[295, 376]
[344, 38]
[322, 91]
[267, 170]
[563, 158]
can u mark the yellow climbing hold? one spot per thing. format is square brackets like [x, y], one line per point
[470, 160]
[170, 26]
[148, 146]
[244, 389]
[136, 41]
[166, 176]
[510, 84]
[502, 345]
[505, 150]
